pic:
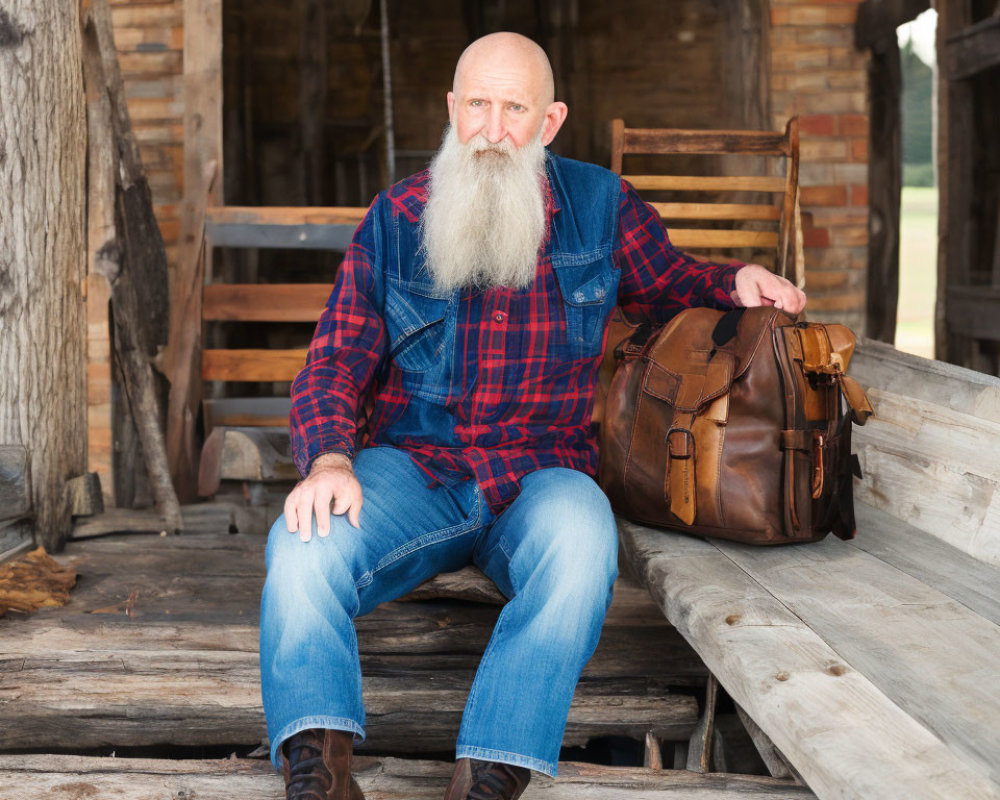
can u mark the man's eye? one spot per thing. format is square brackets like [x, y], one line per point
[516, 107]
[475, 103]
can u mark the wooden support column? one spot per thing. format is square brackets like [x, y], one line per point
[876, 30]
[203, 180]
[954, 156]
[312, 100]
[131, 254]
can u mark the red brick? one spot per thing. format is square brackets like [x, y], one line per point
[859, 195]
[823, 195]
[852, 124]
[859, 150]
[816, 237]
[817, 124]
[823, 150]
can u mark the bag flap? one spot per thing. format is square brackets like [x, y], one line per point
[684, 355]
[686, 369]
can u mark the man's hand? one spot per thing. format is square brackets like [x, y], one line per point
[331, 480]
[758, 286]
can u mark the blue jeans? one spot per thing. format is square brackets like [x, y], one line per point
[552, 552]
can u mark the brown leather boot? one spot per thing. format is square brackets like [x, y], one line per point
[486, 780]
[317, 766]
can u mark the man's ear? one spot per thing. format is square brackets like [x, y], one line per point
[555, 116]
[451, 107]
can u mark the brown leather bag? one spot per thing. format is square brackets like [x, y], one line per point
[731, 425]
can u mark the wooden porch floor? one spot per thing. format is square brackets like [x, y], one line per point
[158, 646]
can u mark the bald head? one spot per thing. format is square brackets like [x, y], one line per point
[503, 89]
[509, 54]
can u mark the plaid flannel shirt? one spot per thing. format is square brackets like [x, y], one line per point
[520, 411]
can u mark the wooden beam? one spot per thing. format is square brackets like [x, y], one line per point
[700, 142]
[702, 183]
[134, 260]
[705, 239]
[284, 216]
[725, 211]
[252, 365]
[241, 412]
[974, 49]
[974, 311]
[885, 182]
[203, 181]
[379, 779]
[270, 302]
[878, 19]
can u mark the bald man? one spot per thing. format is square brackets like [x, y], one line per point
[468, 318]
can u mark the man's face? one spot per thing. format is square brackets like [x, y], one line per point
[501, 98]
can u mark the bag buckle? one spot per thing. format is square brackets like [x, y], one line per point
[680, 446]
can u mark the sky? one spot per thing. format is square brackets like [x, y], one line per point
[921, 30]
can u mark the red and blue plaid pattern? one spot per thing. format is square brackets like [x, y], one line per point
[522, 403]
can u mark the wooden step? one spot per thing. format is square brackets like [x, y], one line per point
[380, 779]
[159, 644]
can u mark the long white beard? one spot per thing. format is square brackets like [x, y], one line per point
[485, 214]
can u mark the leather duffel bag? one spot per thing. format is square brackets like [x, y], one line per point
[732, 425]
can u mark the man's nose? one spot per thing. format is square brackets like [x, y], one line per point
[495, 130]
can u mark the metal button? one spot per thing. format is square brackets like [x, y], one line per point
[500, 316]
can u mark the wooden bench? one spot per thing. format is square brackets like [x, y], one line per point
[873, 666]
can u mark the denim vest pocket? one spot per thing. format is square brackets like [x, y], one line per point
[421, 326]
[589, 286]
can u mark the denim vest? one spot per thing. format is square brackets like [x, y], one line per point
[421, 319]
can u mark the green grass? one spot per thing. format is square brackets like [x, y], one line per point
[917, 271]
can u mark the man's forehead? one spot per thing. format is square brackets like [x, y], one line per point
[509, 84]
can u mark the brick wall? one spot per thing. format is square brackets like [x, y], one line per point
[149, 37]
[817, 73]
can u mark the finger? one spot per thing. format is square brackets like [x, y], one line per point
[291, 513]
[321, 507]
[750, 293]
[343, 501]
[354, 512]
[305, 510]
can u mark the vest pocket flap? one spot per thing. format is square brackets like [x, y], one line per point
[415, 324]
[583, 284]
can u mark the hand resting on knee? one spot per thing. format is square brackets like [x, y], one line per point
[331, 480]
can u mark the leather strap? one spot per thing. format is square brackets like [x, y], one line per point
[861, 408]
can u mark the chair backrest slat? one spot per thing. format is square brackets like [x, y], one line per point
[729, 224]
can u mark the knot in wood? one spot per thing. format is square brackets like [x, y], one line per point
[836, 669]
[782, 676]
[732, 619]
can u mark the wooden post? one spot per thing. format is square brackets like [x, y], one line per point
[132, 257]
[203, 180]
[312, 100]
[875, 30]
[43, 397]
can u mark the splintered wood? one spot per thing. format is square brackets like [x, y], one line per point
[33, 582]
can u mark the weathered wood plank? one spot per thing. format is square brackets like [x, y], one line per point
[702, 183]
[286, 216]
[380, 779]
[962, 390]
[211, 697]
[199, 518]
[705, 238]
[839, 730]
[242, 412]
[271, 302]
[929, 466]
[927, 558]
[663, 140]
[974, 50]
[252, 365]
[728, 211]
[931, 656]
